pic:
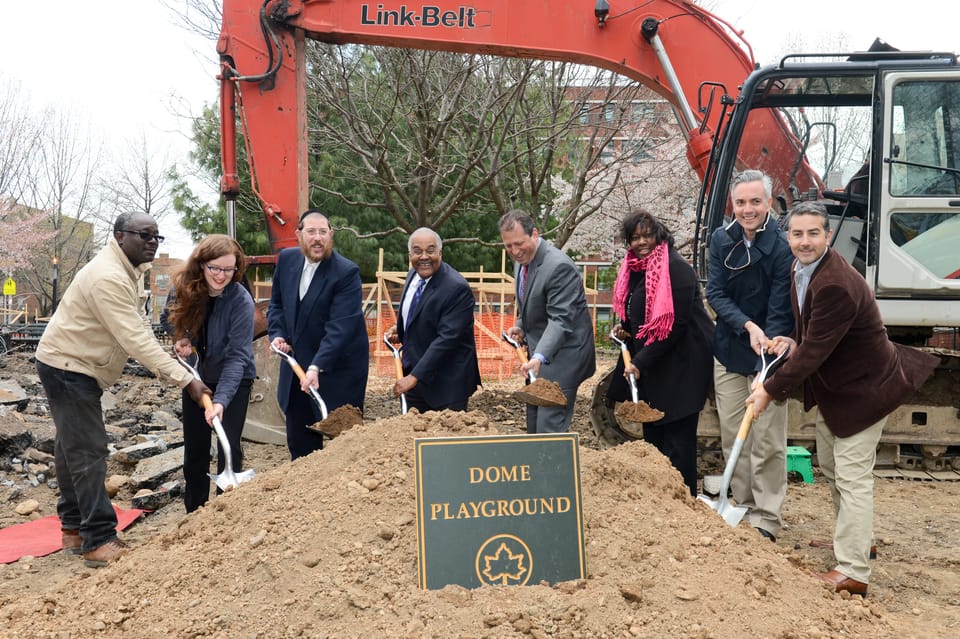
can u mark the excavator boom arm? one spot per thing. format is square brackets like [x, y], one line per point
[670, 46]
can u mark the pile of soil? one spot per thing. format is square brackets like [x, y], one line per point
[326, 547]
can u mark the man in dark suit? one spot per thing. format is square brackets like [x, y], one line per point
[552, 316]
[316, 310]
[852, 372]
[435, 325]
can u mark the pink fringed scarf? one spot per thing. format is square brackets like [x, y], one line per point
[659, 301]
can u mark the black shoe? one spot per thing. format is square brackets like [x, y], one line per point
[769, 535]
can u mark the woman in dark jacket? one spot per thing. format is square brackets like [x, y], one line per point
[211, 312]
[670, 337]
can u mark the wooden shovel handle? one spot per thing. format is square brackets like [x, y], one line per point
[298, 370]
[207, 402]
[745, 423]
[522, 354]
[626, 356]
[399, 366]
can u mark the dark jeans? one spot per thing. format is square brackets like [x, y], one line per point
[196, 443]
[678, 442]
[80, 455]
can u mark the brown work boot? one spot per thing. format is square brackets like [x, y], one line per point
[70, 540]
[110, 551]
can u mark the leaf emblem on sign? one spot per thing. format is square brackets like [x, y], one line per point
[503, 566]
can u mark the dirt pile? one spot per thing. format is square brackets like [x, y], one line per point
[326, 547]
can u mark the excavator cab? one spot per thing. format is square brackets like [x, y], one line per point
[883, 131]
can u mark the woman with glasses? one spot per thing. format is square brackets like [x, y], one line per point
[210, 313]
[748, 286]
[669, 334]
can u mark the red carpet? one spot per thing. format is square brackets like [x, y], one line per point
[41, 537]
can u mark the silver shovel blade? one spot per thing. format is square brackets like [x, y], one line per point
[731, 514]
[225, 481]
[228, 479]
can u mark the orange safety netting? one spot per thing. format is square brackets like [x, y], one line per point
[494, 293]
[497, 359]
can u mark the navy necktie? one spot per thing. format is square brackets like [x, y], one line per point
[416, 299]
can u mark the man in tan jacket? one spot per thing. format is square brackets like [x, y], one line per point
[100, 322]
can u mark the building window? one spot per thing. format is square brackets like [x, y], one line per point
[609, 111]
[643, 111]
[584, 116]
[608, 153]
[639, 150]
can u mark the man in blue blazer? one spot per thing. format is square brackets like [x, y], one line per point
[436, 328]
[552, 316]
[316, 311]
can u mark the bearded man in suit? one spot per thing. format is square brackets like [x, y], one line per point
[316, 311]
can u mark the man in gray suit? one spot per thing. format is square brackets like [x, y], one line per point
[552, 316]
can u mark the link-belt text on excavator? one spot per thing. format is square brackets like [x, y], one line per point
[426, 16]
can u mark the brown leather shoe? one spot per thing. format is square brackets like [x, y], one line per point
[826, 543]
[840, 581]
[110, 551]
[70, 540]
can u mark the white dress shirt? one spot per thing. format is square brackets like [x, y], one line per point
[309, 268]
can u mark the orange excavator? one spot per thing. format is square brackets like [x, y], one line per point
[896, 203]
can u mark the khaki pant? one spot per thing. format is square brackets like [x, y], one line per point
[759, 479]
[847, 464]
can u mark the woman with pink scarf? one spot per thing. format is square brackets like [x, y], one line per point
[670, 337]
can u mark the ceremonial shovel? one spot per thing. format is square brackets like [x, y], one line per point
[399, 367]
[733, 514]
[227, 479]
[539, 392]
[298, 370]
[632, 416]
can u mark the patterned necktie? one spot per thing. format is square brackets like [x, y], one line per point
[523, 280]
[413, 302]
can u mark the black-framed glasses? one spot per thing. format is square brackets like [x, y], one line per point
[216, 270]
[738, 260]
[145, 236]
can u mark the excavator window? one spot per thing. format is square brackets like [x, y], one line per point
[925, 139]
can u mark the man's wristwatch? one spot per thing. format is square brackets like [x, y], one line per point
[314, 368]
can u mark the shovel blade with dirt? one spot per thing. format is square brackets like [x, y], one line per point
[330, 424]
[539, 392]
[632, 415]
